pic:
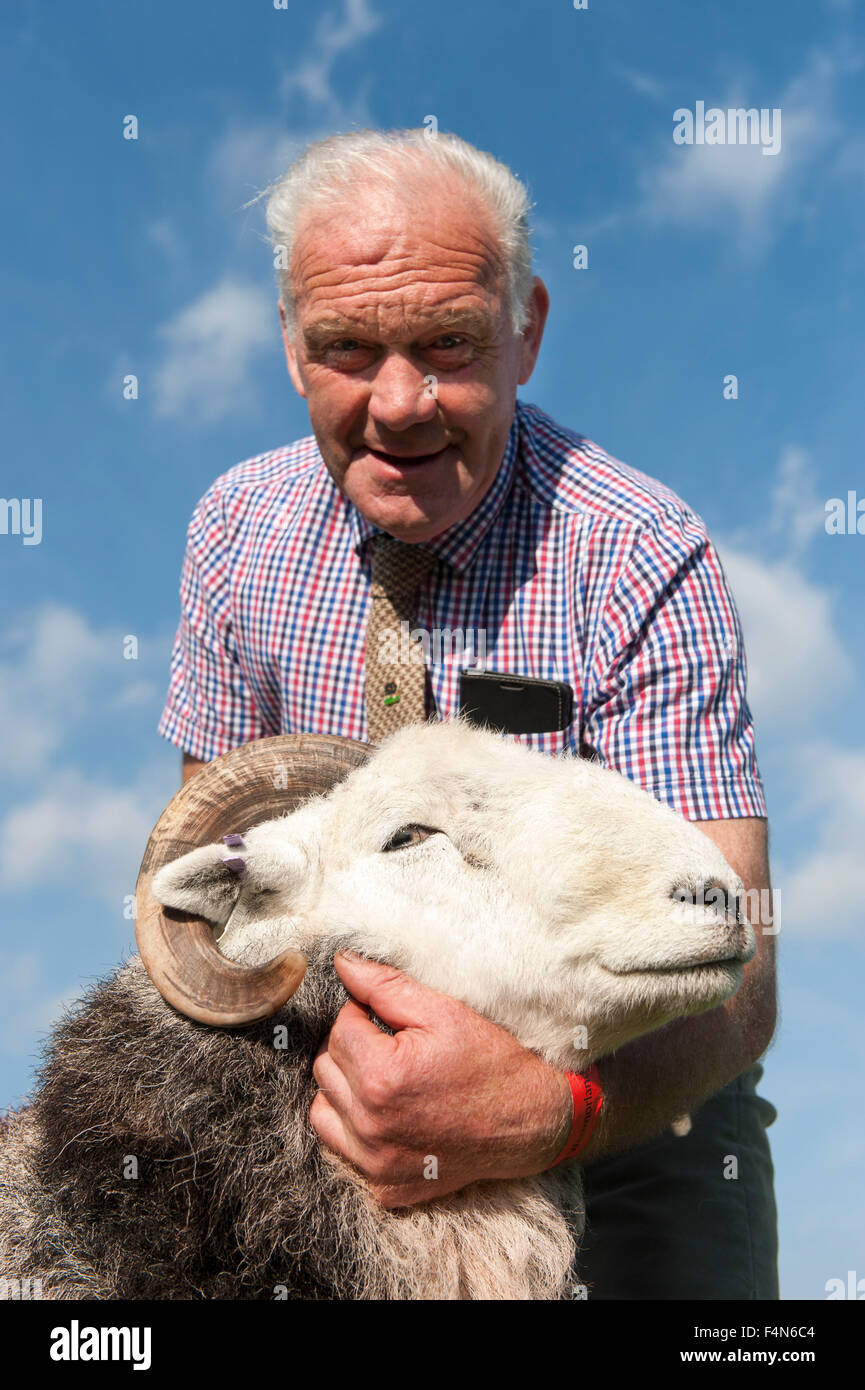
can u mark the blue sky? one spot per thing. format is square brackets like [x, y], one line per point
[140, 257]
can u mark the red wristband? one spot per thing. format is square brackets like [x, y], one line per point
[588, 1099]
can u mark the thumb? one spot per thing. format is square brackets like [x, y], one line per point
[398, 1000]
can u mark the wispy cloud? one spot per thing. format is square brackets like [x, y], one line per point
[735, 190]
[54, 668]
[79, 832]
[336, 33]
[248, 157]
[795, 648]
[798, 668]
[822, 890]
[60, 823]
[640, 82]
[798, 512]
[210, 351]
[796, 655]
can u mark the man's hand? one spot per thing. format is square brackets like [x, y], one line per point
[450, 1099]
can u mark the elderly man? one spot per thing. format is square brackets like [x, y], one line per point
[430, 496]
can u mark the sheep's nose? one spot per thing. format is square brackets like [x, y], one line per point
[726, 901]
[711, 894]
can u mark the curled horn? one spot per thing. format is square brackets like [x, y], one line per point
[251, 784]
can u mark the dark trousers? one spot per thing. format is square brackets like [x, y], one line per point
[663, 1221]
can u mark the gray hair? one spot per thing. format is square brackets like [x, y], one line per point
[344, 162]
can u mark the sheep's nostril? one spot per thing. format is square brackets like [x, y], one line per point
[683, 893]
[711, 894]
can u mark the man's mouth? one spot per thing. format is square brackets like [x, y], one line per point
[405, 461]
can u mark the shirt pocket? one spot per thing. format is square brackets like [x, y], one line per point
[554, 742]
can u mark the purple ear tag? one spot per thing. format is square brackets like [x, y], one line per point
[236, 866]
[233, 841]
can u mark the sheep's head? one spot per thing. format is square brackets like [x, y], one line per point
[551, 895]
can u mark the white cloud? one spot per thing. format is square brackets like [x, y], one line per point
[247, 158]
[56, 670]
[211, 346]
[821, 892]
[798, 511]
[63, 825]
[798, 665]
[736, 190]
[795, 651]
[80, 833]
[795, 655]
[639, 82]
[55, 664]
[312, 77]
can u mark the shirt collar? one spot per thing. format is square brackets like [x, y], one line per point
[458, 546]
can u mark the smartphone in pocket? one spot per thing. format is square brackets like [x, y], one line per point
[515, 704]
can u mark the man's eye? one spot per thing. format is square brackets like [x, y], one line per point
[448, 341]
[408, 835]
[345, 345]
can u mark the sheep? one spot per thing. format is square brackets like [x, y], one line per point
[168, 1153]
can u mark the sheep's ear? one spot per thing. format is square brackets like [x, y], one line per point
[199, 882]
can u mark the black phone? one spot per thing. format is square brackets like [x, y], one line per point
[515, 704]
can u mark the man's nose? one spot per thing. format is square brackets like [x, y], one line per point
[402, 394]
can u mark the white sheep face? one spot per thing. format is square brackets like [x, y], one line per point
[549, 894]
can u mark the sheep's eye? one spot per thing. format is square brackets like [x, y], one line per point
[408, 835]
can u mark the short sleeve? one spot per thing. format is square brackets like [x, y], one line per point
[666, 702]
[209, 708]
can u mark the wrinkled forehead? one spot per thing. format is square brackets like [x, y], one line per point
[424, 247]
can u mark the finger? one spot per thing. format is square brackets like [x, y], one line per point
[398, 1000]
[333, 1131]
[357, 1046]
[331, 1081]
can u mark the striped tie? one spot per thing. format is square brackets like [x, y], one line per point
[395, 670]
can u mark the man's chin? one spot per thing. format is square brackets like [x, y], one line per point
[402, 505]
[403, 517]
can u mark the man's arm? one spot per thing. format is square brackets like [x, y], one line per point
[451, 1085]
[190, 767]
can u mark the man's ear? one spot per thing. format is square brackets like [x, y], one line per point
[539, 304]
[199, 882]
[291, 354]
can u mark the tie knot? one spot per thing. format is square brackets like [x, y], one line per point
[398, 567]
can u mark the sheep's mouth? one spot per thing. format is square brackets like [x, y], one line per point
[686, 967]
[725, 962]
[721, 965]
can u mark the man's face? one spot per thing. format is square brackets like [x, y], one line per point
[405, 353]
